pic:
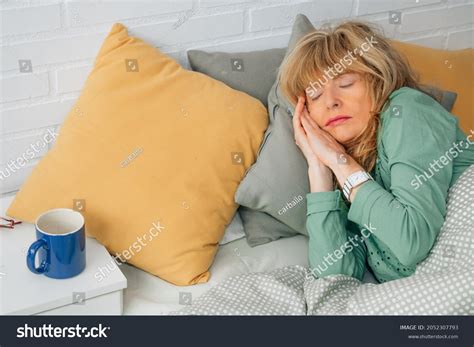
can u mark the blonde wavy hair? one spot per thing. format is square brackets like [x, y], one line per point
[384, 69]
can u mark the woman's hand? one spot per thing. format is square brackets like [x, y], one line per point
[329, 152]
[320, 176]
[327, 149]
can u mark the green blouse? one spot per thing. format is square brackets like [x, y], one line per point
[394, 220]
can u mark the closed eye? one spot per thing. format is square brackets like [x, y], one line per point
[346, 85]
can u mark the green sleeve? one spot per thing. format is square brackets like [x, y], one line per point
[408, 215]
[334, 248]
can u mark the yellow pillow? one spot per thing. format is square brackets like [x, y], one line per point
[448, 70]
[153, 152]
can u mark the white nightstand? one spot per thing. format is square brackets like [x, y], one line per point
[25, 293]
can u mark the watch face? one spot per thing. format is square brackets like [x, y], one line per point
[357, 177]
[353, 181]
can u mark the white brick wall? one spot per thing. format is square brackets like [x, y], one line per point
[62, 37]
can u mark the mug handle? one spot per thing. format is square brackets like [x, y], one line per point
[30, 257]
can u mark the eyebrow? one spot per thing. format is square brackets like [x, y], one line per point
[318, 90]
[344, 74]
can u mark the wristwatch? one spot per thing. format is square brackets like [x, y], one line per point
[354, 180]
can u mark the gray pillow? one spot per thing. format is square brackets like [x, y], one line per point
[444, 97]
[278, 182]
[251, 72]
[261, 228]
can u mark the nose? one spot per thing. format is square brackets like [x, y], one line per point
[332, 99]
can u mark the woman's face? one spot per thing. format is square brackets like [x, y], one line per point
[341, 107]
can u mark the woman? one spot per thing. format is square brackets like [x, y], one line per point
[381, 153]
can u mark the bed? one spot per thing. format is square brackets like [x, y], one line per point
[272, 279]
[150, 295]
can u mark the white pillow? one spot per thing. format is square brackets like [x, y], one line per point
[234, 230]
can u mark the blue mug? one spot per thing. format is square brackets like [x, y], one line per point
[60, 244]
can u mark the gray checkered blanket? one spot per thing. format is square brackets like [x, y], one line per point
[443, 283]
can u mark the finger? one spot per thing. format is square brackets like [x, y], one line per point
[298, 128]
[305, 110]
[299, 105]
[322, 132]
[300, 135]
[311, 133]
[314, 126]
[312, 122]
[306, 124]
[296, 114]
[311, 136]
[304, 145]
[332, 140]
[318, 136]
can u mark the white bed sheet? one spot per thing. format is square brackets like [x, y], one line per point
[149, 295]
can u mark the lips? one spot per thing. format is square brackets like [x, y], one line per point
[337, 120]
